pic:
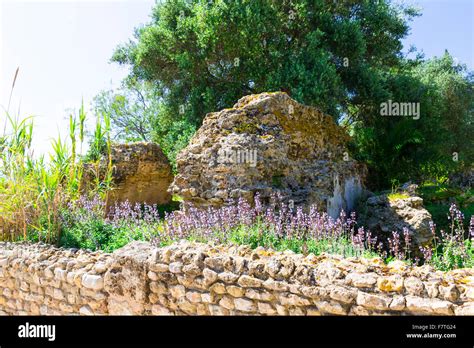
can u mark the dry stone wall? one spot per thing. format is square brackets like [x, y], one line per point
[38, 279]
[201, 279]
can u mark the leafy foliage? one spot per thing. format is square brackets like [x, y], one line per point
[137, 113]
[343, 57]
[207, 54]
[132, 110]
[32, 189]
[405, 148]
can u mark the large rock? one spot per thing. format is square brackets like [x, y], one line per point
[463, 179]
[141, 173]
[269, 143]
[385, 215]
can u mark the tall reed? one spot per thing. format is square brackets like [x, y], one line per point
[34, 190]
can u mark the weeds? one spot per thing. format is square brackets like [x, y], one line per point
[33, 190]
[277, 227]
[455, 248]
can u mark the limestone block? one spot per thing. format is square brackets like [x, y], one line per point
[92, 281]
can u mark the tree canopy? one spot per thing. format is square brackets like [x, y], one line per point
[344, 57]
[207, 54]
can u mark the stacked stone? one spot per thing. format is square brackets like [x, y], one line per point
[190, 278]
[193, 279]
[38, 279]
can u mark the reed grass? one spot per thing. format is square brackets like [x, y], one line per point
[33, 190]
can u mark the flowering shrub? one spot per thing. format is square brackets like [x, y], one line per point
[86, 225]
[277, 226]
[453, 249]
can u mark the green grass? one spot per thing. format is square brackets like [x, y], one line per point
[437, 198]
[256, 236]
[394, 196]
[432, 193]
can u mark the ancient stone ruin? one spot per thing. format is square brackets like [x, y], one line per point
[269, 143]
[385, 215]
[141, 173]
[189, 278]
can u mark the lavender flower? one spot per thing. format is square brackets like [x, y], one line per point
[471, 227]
[275, 220]
[427, 253]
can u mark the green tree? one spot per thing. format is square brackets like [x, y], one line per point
[204, 55]
[341, 56]
[404, 148]
[450, 94]
[132, 109]
[137, 113]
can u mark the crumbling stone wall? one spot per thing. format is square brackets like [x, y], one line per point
[141, 173]
[201, 279]
[269, 143]
[38, 279]
[383, 215]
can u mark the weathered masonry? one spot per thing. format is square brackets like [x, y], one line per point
[200, 279]
[269, 143]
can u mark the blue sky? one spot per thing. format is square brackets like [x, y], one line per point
[445, 24]
[63, 49]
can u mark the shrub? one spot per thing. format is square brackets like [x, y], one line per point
[454, 248]
[277, 227]
[33, 191]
